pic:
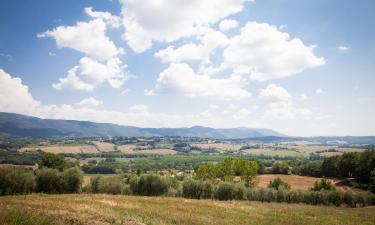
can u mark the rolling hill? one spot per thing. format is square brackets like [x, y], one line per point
[20, 126]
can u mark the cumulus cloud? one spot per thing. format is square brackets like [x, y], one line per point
[228, 24]
[139, 108]
[180, 78]
[303, 97]
[274, 92]
[107, 17]
[343, 48]
[319, 91]
[169, 20]
[89, 74]
[209, 41]
[86, 37]
[89, 102]
[266, 53]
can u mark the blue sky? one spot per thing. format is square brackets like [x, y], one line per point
[299, 67]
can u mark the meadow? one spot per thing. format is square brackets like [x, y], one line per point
[136, 210]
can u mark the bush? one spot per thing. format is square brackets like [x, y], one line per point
[240, 191]
[16, 180]
[348, 198]
[323, 184]
[197, 189]
[150, 185]
[49, 181]
[224, 191]
[333, 197]
[279, 184]
[53, 161]
[72, 180]
[114, 185]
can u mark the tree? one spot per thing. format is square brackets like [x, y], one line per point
[247, 170]
[280, 168]
[16, 180]
[72, 180]
[278, 184]
[53, 161]
[329, 166]
[206, 172]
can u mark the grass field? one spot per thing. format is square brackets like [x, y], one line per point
[135, 210]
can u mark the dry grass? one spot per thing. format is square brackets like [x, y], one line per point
[340, 150]
[222, 146]
[104, 146]
[107, 209]
[299, 182]
[272, 152]
[62, 149]
[127, 149]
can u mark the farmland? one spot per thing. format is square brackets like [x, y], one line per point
[109, 209]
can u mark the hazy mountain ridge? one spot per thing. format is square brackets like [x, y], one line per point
[17, 125]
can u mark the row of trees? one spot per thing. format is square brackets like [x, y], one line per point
[18, 180]
[227, 169]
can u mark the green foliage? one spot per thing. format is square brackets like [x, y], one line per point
[115, 185]
[197, 189]
[227, 169]
[53, 181]
[225, 191]
[53, 161]
[280, 168]
[150, 185]
[16, 180]
[279, 184]
[323, 184]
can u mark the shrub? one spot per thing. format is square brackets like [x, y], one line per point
[48, 181]
[16, 180]
[224, 191]
[197, 189]
[323, 184]
[348, 198]
[150, 185]
[279, 184]
[333, 197]
[72, 180]
[53, 161]
[240, 191]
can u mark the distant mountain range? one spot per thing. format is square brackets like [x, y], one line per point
[21, 126]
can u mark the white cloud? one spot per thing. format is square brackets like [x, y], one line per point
[213, 106]
[228, 24]
[267, 53]
[282, 116]
[125, 92]
[303, 97]
[180, 78]
[51, 54]
[319, 91]
[169, 20]
[86, 37]
[14, 96]
[89, 74]
[113, 21]
[89, 102]
[274, 92]
[342, 48]
[139, 108]
[210, 40]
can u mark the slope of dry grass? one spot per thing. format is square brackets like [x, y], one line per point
[108, 209]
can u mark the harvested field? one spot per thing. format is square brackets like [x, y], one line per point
[158, 151]
[63, 149]
[127, 149]
[340, 150]
[136, 210]
[222, 146]
[299, 182]
[104, 146]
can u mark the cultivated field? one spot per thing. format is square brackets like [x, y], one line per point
[158, 151]
[135, 210]
[104, 146]
[127, 149]
[62, 149]
[273, 153]
[299, 182]
[222, 146]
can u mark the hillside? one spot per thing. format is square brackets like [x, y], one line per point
[16, 125]
[135, 210]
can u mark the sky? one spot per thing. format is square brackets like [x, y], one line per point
[302, 68]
